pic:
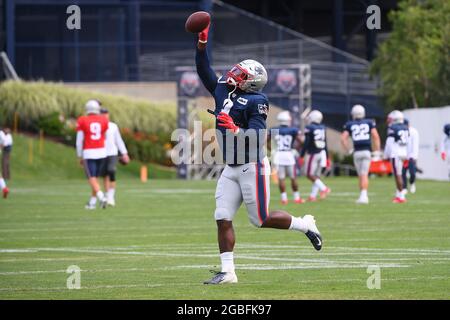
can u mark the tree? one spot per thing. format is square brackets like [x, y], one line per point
[414, 62]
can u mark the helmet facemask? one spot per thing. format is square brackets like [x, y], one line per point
[237, 75]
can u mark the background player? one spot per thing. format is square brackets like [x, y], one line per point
[445, 147]
[315, 143]
[91, 149]
[5, 149]
[114, 144]
[362, 132]
[410, 165]
[396, 150]
[242, 109]
[287, 140]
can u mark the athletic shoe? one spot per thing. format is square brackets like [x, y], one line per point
[405, 192]
[299, 200]
[111, 202]
[412, 188]
[103, 203]
[398, 200]
[89, 206]
[222, 278]
[284, 202]
[312, 199]
[5, 192]
[362, 201]
[313, 233]
[324, 193]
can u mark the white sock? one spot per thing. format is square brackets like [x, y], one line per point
[111, 193]
[314, 191]
[284, 196]
[320, 185]
[298, 224]
[93, 201]
[363, 194]
[100, 195]
[2, 183]
[296, 195]
[400, 195]
[227, 261]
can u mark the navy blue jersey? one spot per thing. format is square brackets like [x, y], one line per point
[315, 139]
[248, 111]
[284, 136]
[447, 130]
[360, 130]
[400, 133]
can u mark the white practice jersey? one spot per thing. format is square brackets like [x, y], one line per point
[6, 140]
[413, 143]
[114, 142]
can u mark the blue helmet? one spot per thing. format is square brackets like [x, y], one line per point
[447, 129]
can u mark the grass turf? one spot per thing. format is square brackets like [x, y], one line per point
[160, 241]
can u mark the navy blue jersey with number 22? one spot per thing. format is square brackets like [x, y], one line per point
[360, 130]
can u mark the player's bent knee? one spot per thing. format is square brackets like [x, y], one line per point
[223, 214]
[112, 176]
[257, 222]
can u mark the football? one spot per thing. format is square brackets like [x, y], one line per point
[197, 21]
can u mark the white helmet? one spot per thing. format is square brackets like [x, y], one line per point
[315, 116]
[395, 117]
[92, 106]
[284, 118]
[358, 112]
[248, 75]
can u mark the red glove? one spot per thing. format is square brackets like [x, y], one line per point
[301, 161]
[443, 156]
[227, 122]
[203, 36]
[328, 165]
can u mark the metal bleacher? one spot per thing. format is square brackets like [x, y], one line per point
[339, 79]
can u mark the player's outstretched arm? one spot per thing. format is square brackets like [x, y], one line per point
[204, 70]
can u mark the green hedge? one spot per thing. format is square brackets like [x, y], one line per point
[35, 101]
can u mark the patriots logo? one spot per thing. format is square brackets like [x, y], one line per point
[189, 83]
[286, 80]
[263, 108]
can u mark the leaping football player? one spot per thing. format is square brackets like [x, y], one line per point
[241, 110]
[362, 132]
[287, 140]
[91, 151]
[396, 150]
[312, 153]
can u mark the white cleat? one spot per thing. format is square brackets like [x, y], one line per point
[362, 201]
[412, 188]
[111, 202]
[313, 233]
[89, 206]
[222, 278]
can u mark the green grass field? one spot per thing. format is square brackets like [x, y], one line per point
[160, 243]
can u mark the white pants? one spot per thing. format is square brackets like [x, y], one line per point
[313, 164]
[397, 165]
[284, 171]
[248, 183]
[362, 160]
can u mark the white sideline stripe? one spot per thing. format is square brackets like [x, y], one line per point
[13, 273]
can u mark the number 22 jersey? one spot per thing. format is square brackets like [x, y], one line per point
[360, 132]
[93, 127]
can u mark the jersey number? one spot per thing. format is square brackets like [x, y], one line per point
[360, 132]
[283, 142]
[403, 137]
[319, 138]
[96, 130]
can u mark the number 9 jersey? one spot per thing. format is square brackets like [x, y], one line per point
[93, 127]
